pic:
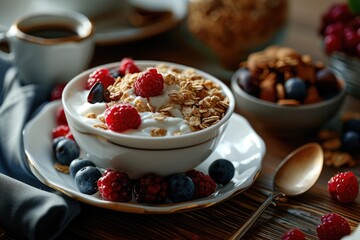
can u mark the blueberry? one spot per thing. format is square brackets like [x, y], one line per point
[86, 179]
[221, 171]
[181, 188]
[295, 88]
[66, 151]
[78, 164]
[352, 125]
[351, 142]
[55, 142]
[98, 93]
[247, 81]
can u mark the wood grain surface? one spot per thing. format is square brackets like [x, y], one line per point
[221, 220]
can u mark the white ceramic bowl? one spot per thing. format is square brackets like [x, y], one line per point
[287, 121]
[138, 155]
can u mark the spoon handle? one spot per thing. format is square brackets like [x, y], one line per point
[243, 229]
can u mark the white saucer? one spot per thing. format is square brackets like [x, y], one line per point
[110, 28]
[241, 145]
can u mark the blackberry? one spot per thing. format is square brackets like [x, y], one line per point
[151, 188]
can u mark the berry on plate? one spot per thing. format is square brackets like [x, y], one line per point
[204, 184]
[78, 164]
[293, 234]
[181, 188]
[149, 84]
[351, 142]
[86, 179]
[332, 227]
[344, 187]
[222, 171]
[121, 117]
[115, 186]
[60, 131]
[66, 151]
[60, 117]
[151, 188]
[100, 75]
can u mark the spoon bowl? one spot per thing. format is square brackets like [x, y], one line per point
[295, 175]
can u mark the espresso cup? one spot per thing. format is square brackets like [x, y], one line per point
[49, 48]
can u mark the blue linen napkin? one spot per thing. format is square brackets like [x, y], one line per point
[27, 207]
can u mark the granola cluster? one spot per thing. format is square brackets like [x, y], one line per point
[200, 100]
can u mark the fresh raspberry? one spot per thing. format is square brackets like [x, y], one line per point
[60, 131]
[149, 84]
[344, 187]
[204, 184]
[100, 75]
[115, 186]
[151, 188]
[69, 135]
[332, 227]
[60, 116]
[293, 234]
[56, 92]
[121, 117]
[127, 65]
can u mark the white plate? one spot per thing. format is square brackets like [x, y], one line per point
[241, 145]
[110, 28]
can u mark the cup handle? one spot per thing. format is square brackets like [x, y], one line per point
[8, 57]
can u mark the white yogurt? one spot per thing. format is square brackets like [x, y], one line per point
[173, 125]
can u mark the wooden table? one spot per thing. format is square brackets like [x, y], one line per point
[219, 221]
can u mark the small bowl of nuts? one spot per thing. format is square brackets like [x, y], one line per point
[287, 92]
[146, 116]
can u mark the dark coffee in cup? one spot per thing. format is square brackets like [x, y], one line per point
[51, 32]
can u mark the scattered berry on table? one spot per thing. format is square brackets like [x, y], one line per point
[344, 187]
[351, 142]
[204, 184]
[332, 227]
[115, 186]
[60, 116]
[66, 151]
[56, 92]
[295, 88]
[100, 75]
[151, 188]
[78, 164]
[60, 131]
[121, 117]
[222, 171]
[181, 188]
[98, 93]
[127, 65]
[86, 179]
[149, 84]
[293, 234]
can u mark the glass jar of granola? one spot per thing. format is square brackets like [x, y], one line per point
[235, 28]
